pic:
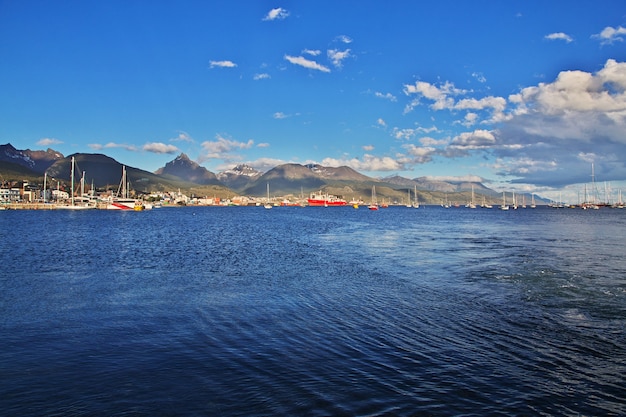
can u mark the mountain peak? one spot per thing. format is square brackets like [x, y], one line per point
[182, 157]
[188, 170]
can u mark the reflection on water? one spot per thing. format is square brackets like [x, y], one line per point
[313, 311]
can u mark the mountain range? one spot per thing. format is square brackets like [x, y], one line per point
[186, 175]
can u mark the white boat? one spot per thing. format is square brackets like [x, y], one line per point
[82, 205]
[267, 204]
[374, 204]
[122, 200]
[408, 199]
[446, 204]
[416, 203]
[471, 204]
[504, 206]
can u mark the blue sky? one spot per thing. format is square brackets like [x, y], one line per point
[522, 95]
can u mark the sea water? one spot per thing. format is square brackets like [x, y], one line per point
[313, 311]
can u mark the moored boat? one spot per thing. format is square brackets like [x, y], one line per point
[319, 199]
[122, 201]
[374, 203]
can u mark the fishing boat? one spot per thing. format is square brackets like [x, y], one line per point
[320, 199]
[373, 204]
[122, 200]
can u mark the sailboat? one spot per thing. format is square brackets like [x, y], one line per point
[471, 204]
[408, 199]
[416, 203]
[122, 200]
[374, 204]
[73, 205]
[504, 206]
[532, 201]
[267, 204]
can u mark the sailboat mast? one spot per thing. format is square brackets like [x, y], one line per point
[72, 180]
[82, 185]
[45, 178]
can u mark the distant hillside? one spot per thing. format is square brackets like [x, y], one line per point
[295, 178]
[106, 173]
[11, 174]
[37, 161]
[239, 177]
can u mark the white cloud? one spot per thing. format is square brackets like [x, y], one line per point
[409, 133]
[263, 76]
[464, 143]
[367, 163]
[48, 142]
[479, 77]
[559, 36]
[276, 14]
[419, 154]
[336, 56]
[220, 148]
[496, 103]
[111, 145]
[469, 119]
[610, 35]
[387, 96]
[312, 52]
[368, 148]
[477, 138]
[579, 91]
[553, 123]
[182, 137]
[343, 38]
[456, 178]
[405, 134]
[222, 64]
[306, 63]
[158, 147]
[280, 115]
[439, 94]
[381, 122]
[429, 142]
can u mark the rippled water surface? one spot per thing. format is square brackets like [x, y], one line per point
[313, 311]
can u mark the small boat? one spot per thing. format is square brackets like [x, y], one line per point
[471, 204]
[374, 204]
[504, 206]
[267, 204]
[416, 203]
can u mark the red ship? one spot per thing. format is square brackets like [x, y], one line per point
[320, 199]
